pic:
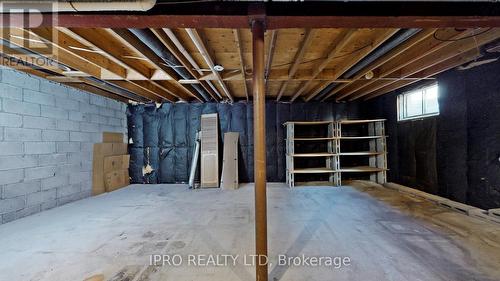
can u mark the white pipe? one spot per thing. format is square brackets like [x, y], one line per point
[204, 53]
[11, 6]
[181, 48]
[194, 161]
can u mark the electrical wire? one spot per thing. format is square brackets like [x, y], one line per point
[316, 59]
[461, 38]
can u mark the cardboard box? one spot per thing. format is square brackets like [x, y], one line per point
[113, 163]
[102, 150]
[109, 137]
[117, 179]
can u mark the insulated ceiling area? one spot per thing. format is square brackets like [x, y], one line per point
[162, 65]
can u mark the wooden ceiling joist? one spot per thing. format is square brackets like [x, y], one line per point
[297, 60]
[182, 58]
[337, 46]
[119, 57]
[270, 53]
[100, 39]
[198, 42]
[417, 52]
[303, 62]
[80, 50]
[212, 91]
[355, 58]
[237, 40]
[443, 54]
[134, 43]
[429, 72]
[60, 55]
[382, 60]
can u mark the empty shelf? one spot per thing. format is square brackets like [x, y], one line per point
[318, 154]
[361, 169]
[314, 139]
[313, 171]
[360, 153]
[360, 121]
[308, 122]
[361, 138]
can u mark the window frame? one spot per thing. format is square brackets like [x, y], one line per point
[401, 102]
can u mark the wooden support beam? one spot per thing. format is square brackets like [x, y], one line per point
[382, 60]
[429, 72]
[310, 14]
[340, 42]
[237, 40]
[297, 60]
[198, 42]
[259, 126]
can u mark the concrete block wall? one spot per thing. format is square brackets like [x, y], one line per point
[47, 131]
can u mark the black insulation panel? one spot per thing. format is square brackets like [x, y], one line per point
[457, 153]
[163, 137]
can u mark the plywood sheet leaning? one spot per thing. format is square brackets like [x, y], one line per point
[209, 150]
[229, 179]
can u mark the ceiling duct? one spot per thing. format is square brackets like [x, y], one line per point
[149, 39]
[76, 5]
[383, 49]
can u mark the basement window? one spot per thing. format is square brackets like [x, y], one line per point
[419, 103]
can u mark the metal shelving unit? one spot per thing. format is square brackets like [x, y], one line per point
[377, 155]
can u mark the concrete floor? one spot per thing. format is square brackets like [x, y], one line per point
[386, 235]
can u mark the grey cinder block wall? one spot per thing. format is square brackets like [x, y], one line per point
[47, 131]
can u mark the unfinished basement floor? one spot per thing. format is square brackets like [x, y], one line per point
[386, 235]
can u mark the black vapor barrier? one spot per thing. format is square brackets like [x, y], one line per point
[162, 138]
